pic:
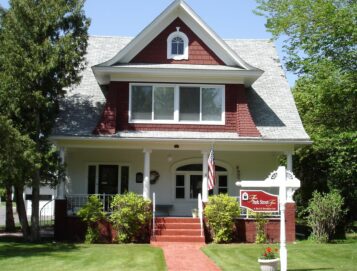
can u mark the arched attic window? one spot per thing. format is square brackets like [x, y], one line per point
[177, 45]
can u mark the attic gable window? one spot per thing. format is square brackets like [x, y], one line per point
[177, 45]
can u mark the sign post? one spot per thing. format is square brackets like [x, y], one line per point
[284, 180]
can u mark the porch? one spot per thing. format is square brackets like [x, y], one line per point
[176, 173]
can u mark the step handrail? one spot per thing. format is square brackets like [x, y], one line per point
[200, 212]
[153, 213]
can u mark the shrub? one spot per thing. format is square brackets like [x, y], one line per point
[260, 222]
[91, 213]
[324, 213]
[221, 211]
[131, 214]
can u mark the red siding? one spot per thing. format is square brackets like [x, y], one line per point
[245, 123]
[246, 230]
[238, 118]
[107, 123]
[156, 50]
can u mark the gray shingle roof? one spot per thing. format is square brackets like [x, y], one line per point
[270, 99]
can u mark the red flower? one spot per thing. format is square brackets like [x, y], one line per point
[265, 255]
[268, 249]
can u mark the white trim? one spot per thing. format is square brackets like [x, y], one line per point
[179, 9]
[183, 36]
[174, 74]
[176, 119]
[208, 141]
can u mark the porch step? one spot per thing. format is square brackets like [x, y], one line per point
[178, 232]
[177, 220]
[177, 229]
[178, 226]
[187, 239]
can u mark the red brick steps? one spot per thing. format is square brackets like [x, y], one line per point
[175, 229]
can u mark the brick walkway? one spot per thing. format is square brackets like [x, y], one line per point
[185, 256]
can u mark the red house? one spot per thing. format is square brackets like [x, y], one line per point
[148, 110]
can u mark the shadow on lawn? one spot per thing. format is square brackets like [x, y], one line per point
[313, 269]
[17, 247]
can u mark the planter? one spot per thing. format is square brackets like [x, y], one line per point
[194, 213]
[268, 264]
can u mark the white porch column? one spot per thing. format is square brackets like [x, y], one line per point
[204, 175]
[61, 186]
[289, 159]
[289, 166]
[146, 182]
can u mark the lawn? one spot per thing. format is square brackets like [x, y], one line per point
[302, 256]
[16, 255]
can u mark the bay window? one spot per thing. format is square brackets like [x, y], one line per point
[176, 104]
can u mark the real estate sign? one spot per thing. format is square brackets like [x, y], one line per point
[259, 201]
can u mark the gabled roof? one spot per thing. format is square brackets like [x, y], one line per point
[179, 9]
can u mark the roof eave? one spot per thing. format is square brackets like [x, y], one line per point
[105, 75]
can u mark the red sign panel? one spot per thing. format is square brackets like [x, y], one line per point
[259, 201]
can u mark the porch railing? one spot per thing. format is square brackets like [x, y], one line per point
[77, 201]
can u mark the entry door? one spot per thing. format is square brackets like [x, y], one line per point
[108, 179]
[195, 186]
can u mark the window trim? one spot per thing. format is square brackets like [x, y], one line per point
[183, 36]
[176, 117]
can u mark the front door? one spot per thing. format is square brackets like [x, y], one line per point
[108, 179]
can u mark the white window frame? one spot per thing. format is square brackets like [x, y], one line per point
[183, 36]
[176, 119]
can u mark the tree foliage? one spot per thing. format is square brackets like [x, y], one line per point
[91, 213]
[324, 214]
[130, 217]
[221, 212]
[321, 47]
[42, 48]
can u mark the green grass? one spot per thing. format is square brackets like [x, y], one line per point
[302, 256]
[15, 255]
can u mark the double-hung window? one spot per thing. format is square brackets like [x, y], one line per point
[177, 104]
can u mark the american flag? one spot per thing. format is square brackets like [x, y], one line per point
[211, 171]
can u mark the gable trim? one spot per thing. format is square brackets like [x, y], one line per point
[179, 9]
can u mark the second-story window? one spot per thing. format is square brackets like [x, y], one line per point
[176, 104]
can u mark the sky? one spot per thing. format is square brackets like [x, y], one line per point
[228, 18]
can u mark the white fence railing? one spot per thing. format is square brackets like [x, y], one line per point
[47, 215]
[77, 201]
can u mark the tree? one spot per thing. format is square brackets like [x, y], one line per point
[321, 47]
[42, 54]
[17, 159]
